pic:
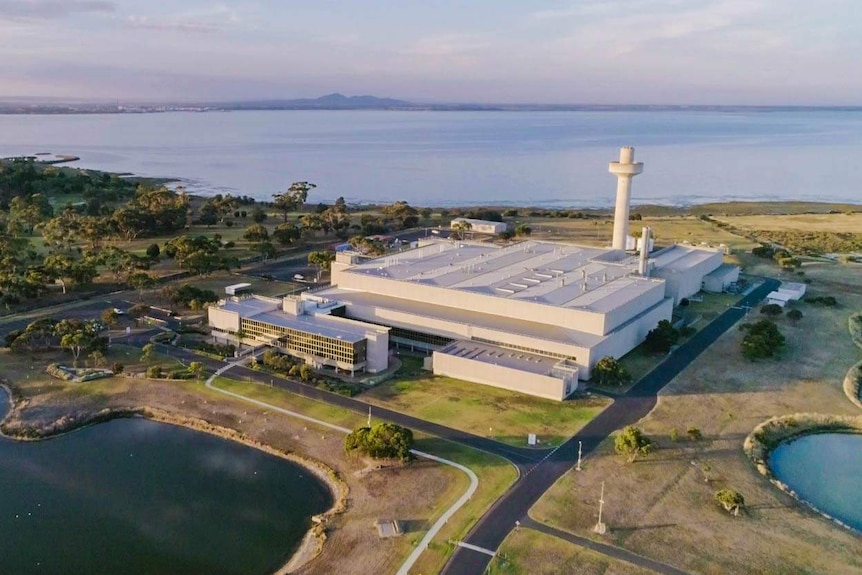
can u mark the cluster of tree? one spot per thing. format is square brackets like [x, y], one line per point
[23, 177]
[662, 338]
[730, 500]
[215, 209]
[322, 260]
[813, 243]
[78, 336]
[610, 372]
[825, 301]
[632, 442]
[195, 370]
[783, 257]
[367, 246]
[381, 441]
[200, 255]
[762, 340]
[188, 296]
[400, 215]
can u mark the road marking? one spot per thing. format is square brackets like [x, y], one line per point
[476, 548]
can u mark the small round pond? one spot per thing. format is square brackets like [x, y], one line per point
[133, 496]
[825, 470]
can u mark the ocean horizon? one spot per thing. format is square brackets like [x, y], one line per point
[543, 159]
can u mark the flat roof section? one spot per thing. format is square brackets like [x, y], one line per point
[722, 271]
[548, 273]
[250, 306]
[680, 258]
[314, 324]
[494, 355]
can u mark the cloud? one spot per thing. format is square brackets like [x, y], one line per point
[51, 9]
[146, 23]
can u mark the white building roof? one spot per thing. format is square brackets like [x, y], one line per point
[592, 279]
[678, 258]
[495, 355]
[779, 296]
[268, 310]
[722, 271]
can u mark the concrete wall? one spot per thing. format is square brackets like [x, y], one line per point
[223, 320]
[455, 330]
[377, 352]
[719, 283]
[627, 337]
[686, 283]
[499, 376]
[586, 321]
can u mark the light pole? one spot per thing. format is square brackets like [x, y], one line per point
[578, 467]
[600, 527]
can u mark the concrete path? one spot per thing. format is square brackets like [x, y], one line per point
[438, 525]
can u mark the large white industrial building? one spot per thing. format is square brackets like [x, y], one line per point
[532, 317]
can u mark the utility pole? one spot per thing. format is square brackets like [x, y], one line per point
[600, 527]
[369, 416]
[578, 467]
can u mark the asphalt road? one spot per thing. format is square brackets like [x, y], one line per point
[496, 524]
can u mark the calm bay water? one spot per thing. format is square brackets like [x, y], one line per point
[138, 497]
[553, 159]
[825, 470]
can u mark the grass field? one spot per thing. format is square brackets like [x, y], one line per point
[495, 474]
[483, 410]
[662, 506]
[528, 552]
[838, 223]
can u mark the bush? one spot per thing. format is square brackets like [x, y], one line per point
[694, 433]
[763, 340]
[117, 367]
[660, 339]
[687, 331]
[730, 500]
[154, 372]
[794, 315]
[382, 441]
[826, 301]
[631, 442]
[674, 434]
[772, 310]
[609, 371]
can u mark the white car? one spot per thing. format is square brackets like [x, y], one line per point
[299, 277]
[118, 311]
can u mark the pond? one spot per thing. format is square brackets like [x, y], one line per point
[825, 470]
[134, 496]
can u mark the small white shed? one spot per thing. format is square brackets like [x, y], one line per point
[778, 298]
[793, 289]
[238, 289]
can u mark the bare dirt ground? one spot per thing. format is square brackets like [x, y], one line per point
[662, 506]
[414, 494]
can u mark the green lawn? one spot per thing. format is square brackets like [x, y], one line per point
[481, 409]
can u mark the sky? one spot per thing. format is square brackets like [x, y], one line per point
[770, 52]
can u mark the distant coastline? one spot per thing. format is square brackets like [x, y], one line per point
[340, 102]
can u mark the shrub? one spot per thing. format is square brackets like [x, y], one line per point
[694, 433]
[771, 310]
[154, 372]
[794, 315]
[631, 442]
[826, 301]
[674, 434]
[660, 339]
[687, 331]
[730, 500]
[609, 371]
[763, 340]
[381, 441]
[117, 367]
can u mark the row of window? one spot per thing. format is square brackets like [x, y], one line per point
[308, 343]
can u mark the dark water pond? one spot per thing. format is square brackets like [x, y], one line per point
[825, 470]
[133, 496]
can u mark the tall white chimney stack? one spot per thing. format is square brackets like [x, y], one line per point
[624, 170]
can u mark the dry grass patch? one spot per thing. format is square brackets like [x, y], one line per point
[528, 552]
[483, 410]
[836, 223]
[663, 507]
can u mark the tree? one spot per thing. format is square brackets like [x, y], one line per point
[762, 340]
[293, 198]
[197, 368]
[794, 316]
[771, 310]
[286, 234]
[153, 251]
[98, 358]
[523, 230]
[256, 233]
[460, 229]
[321, 260]
[631, 442]
[402, 214]
[694, 433]
[381, 441]
[140, 281]
[660, 339]
[258, 215]
[110, 317]
[79, 336]
[730, 500]
[305, 372]
[609, 371]
[148, 351]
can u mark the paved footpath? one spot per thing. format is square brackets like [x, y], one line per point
[490, 531]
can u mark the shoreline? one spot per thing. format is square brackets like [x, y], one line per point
[777, 431]
[312, 542]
